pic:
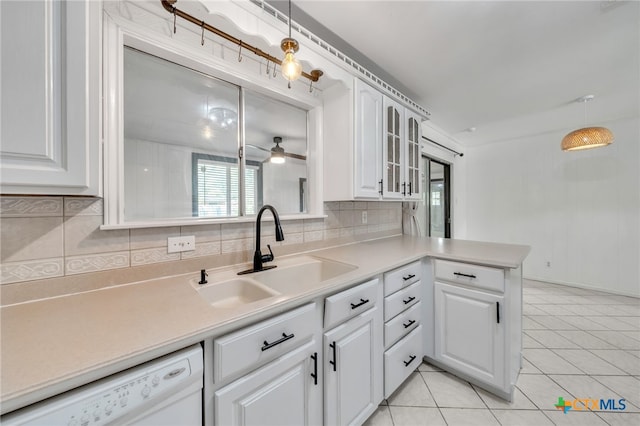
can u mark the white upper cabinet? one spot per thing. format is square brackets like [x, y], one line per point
[368, 140]
[50, 102]
[371, 146]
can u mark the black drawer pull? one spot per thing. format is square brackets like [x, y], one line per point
[409, 300]
[357, 305]
[267, 345]
[380, 191]
[408, 277]
[498, 311]
[333, 362]
[314, 357]
[409, 324]
[406, 363]
[460, 274]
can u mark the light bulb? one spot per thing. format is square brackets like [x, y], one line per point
[291, 67]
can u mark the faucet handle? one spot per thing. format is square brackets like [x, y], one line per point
[268, 257]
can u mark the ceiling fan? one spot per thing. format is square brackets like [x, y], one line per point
[278, 153]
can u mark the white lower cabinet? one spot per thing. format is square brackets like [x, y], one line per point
[353, 364]
[469, 333]
[284, 392]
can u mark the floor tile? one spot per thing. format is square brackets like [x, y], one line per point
[633, 334]
[521, 418]
[469, 416]
[450, 391]
[529, 324]
[425, 366]
[560, 310]
[553, 322]
[621, 359]
[621, 419]
[551, 339]
[532, 310]
[416, 416]
[584, 323]
[588, 362]
[520, 401]
[528, 368]
[541, 390]
[626, 386]
[577, 418]
[633, 321]
[529, 342]
[381, 417]
[549, 362]
[412, 393]
[586, 340]
[622, 340]
[613, 323]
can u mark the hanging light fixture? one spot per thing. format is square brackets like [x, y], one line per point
[277, 152]
[291, 68]
[587, 137]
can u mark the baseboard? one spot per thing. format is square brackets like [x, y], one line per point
[583, 286]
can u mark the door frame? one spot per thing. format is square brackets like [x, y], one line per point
[447, 195]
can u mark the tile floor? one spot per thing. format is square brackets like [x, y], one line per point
[577, 344]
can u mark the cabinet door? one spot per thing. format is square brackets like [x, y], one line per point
[50, 103]
[469, 332]
[368, 140]
[286, 392]
[353, 369]
[413, 153]
[393, 185]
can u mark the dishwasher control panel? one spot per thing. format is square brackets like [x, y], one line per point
[124, 394]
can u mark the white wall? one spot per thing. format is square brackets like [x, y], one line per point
[580, 211]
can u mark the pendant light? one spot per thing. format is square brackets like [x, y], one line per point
[587, 137]
[277, 152]
[291, 68]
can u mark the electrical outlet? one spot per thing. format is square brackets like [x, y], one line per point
[178, 244]
[364, 217]
[548, 264]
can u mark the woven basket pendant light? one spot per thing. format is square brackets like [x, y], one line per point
[587, 137]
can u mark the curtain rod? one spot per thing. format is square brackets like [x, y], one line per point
[442, 146]
[313, 75]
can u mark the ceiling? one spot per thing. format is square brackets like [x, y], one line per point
[509, 69]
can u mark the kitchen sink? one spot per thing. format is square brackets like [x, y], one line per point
[301, 273]
[234, 293]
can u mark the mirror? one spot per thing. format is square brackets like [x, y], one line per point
[182, 139]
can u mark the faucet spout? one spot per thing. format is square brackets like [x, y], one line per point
[258, 258]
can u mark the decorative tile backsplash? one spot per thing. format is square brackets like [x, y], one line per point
[48, 237]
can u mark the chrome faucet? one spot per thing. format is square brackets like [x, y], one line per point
[258, 257]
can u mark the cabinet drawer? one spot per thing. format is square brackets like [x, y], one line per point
[402, 277]
[473, 275]
[350, 303]
[401, 300]
[402, 324]
[401, 360]
[262, 342]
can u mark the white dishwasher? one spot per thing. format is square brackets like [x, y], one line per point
[165, 391]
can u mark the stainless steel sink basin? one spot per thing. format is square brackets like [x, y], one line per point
[234, 293]
[301, 273]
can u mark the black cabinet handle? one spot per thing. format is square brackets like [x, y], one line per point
[266, 345]
[357, 305]
[406, 363]
[314, 357]
[498, 312]
[404, 188]
[380, 191]
[408, 277]
[410, 189]
[409, 324]
[460, 274]
[333, 361]
[409, 300]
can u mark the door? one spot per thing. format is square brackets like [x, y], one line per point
[434, 207]
[287, 391]
[353, 369]
[469, 332]
[368, 137]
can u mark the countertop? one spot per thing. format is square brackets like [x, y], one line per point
[50, 346]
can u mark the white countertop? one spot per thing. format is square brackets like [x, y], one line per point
[53, 345]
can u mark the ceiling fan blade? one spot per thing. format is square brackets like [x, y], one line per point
[296, 156]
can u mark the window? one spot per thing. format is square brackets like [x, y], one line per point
[215, 186]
